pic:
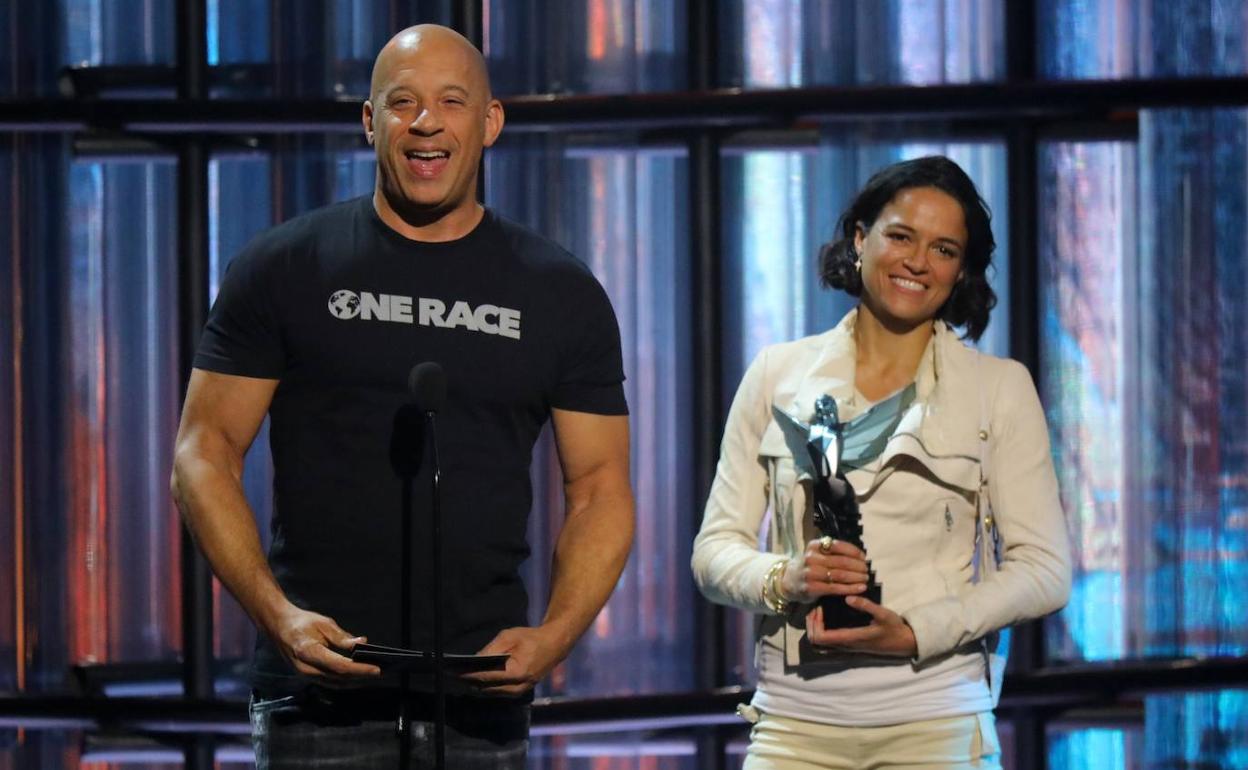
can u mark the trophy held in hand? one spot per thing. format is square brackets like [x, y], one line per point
[836, 512]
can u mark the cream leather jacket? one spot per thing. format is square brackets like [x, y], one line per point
[919, 500]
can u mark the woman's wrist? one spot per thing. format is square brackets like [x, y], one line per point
[773, 588]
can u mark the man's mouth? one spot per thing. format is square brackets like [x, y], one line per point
[427, 163]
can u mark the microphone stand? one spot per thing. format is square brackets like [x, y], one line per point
[439, 686]
[405, 622]
[405, 602]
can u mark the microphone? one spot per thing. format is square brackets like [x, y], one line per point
[427, 383]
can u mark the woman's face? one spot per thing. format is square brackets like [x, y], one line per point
[912, 256]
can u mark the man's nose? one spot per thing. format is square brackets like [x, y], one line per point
[427, 122]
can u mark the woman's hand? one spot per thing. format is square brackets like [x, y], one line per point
[827, 567]
[887, 634]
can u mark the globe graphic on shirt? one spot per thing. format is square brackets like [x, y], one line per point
[344, 304]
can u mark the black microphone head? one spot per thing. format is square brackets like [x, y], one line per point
[427, 382]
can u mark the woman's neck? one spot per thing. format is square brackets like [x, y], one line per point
[887, 356]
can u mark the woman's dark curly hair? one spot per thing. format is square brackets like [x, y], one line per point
[972, 298]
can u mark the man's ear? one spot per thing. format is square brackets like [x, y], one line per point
[367, 119]
[494, 120]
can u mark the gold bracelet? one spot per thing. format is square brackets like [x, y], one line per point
[772, 596]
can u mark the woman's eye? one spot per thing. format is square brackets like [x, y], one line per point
[898, 236]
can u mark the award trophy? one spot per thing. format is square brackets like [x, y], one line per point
[835, 507]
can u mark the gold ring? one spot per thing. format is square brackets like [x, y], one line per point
[825, 544]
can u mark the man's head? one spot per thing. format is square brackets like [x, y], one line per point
[429, 115]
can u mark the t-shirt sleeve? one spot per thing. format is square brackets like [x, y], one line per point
[592, 371]
[243, 336]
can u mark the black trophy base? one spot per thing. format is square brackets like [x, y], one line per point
[838, 614]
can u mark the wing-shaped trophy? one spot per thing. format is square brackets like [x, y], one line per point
[835, 506]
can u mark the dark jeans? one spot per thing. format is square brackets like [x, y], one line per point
[326, 729]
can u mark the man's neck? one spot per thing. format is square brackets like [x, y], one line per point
[430, 227]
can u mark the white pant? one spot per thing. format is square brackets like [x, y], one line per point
[955, 743]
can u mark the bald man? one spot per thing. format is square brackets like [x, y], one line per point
[317, 324]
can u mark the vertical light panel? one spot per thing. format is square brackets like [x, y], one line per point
[1112, 39]
[1145, 382]
[104, 32]
[1193, 333]
[12, 552]
[592, 46]
[1202, 729]
[793, 43]
[1093, 748]
[1088, 287]
[621, 210]
[121, 405]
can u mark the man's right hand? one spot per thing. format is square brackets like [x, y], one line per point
[309, 642]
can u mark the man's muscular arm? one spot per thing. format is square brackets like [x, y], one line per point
[220, 418]
[589, 555]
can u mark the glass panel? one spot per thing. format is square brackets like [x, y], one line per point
[67, 749]
[279, 47]
[622, 210]
[121, 537]
[1075, 747]
[780, 204]
[117, 32]
[1108, 39]
[1206, 729]
[1088, 275]
[1196, 730]
[791, 43]
[43, 37]
[11, 521]
[613, 751]
[1143, 377]
[92, 388]
[593, 46]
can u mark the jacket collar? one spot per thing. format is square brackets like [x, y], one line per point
[946, 387]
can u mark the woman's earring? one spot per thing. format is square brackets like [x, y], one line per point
[858, 264]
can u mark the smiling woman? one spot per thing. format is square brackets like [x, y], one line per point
[930, 455]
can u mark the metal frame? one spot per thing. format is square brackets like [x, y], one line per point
[704, 118]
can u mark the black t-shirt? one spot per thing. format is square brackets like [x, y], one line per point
[339, 308]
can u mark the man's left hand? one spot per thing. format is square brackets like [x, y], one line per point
[533, 653]
[887, 634]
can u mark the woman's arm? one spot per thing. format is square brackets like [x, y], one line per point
[1035, 573]
[727, 565]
